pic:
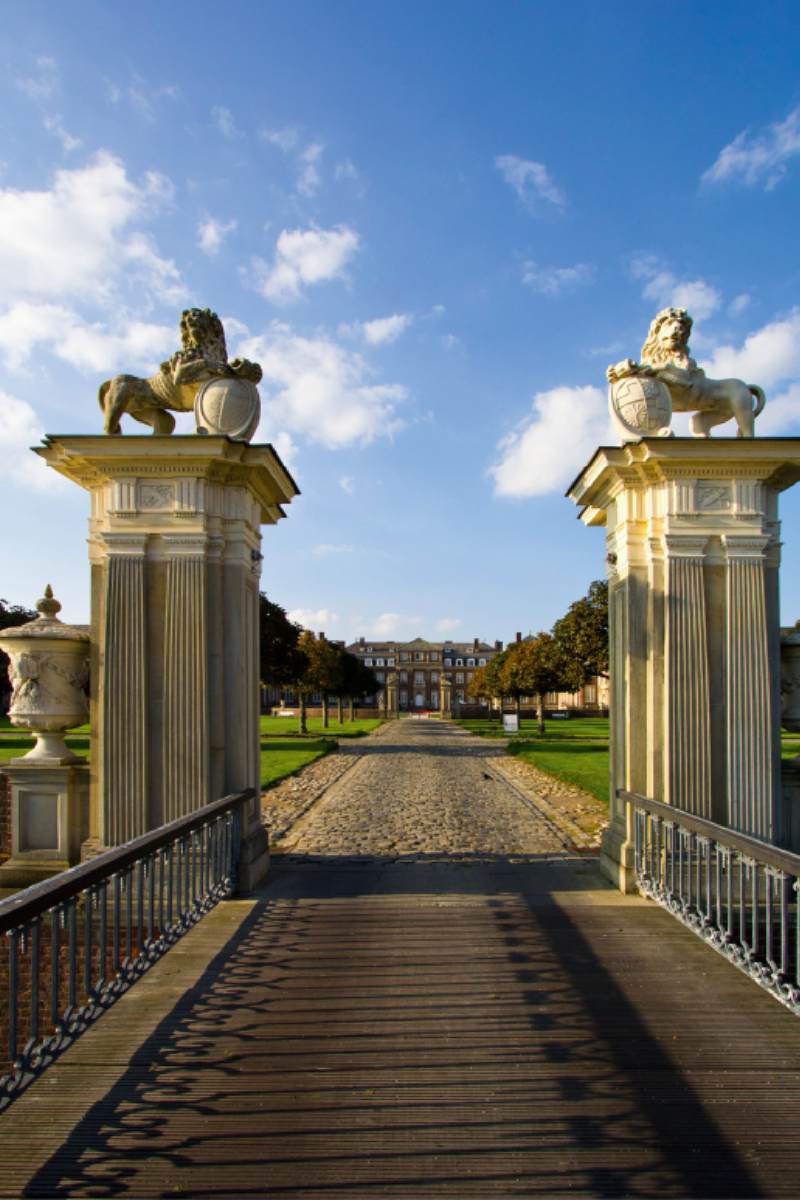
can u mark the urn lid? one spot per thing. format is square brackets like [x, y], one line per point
[47, 624]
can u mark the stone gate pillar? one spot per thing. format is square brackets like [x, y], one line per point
[692, 535]
[175, 550]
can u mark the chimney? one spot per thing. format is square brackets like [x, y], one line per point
[362, 641]
[498, 645]
[476, 643]
[321, 636]
[519, 637]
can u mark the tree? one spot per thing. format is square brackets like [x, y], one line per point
[582, 638]
[280, 637]
[11, 615]
[356, 680]
[534, 668]
[303, 681]
[325, 670]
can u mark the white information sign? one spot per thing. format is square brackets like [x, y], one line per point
[510, 723]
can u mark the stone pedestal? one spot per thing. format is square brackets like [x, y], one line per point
[174, 546]
[692, 535]
[49, 821]
[445, 690]
[392, 699]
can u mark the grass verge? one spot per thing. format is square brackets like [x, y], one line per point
[279, 759]
[283, 727]
[16, 747]
[575, 729]
[583, 766]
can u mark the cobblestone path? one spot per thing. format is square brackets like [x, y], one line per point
[422, 788]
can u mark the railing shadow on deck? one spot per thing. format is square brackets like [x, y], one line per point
[293, 1014]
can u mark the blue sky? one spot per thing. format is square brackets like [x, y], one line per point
[434, 225]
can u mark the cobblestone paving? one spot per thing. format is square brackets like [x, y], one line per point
[425, 788]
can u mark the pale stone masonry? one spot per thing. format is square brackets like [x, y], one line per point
[693, 554]
[175, 549]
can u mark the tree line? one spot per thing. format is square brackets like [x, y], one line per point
[294, 658]
[564, 660]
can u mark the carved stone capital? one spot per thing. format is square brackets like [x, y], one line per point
[746, 545]
[678, 545]
[125, 545]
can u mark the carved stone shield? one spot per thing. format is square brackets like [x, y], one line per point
[228, 406]
[640, 407]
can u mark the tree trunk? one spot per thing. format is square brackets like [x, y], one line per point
[352, 709]
[540, 701]
[339, 708]
[303, 702]
[518, 709]
[324, 710]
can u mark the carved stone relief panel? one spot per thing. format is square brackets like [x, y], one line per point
[155, 495]
[711, 496]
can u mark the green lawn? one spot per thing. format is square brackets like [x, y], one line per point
[583, 766]
[7, 727]
[16, 747]
[279, 759]
[577, 728]
[289, 727]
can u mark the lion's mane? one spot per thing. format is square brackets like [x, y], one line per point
[652, 351]
[212, 340]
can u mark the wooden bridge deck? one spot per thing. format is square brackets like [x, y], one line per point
[430, 1029]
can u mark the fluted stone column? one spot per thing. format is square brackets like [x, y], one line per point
[176, 561]
[693, 553]
[688, 743]
[751, 791]
[186, 669]
[123, 741]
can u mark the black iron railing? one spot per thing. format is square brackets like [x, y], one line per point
[76, 942]
[739, 894]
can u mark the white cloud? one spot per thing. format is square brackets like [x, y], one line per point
[753, 157]
[346, 170]
[448, 623]
[322, 392]
[74, 240]
[449, 341]
[143, 96]
[347, 484]
[769, 356]
[308, 182]
[284, 139]
[381, 331]
[212, 233]
[549, 447]
[45, 84]
[304, 257]
[667, 291]
[319, 620]
[530, 180]
[328, 548]
[552, 281]
[223, 119]
[388, 625]
[19, 430]
[55, 125]
[87, 346]
[739, 304]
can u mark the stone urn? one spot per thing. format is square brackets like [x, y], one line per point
[228, 407]
[49, 673]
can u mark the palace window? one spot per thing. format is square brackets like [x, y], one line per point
[435, 699]
[591, 694]
[459, 662]
[551, 697]
[369, 649]
[404, 676]
[460, 677]
[434, 657]
[418, 656]
[379, 662]
[316, 698]
[434, 677]
[390, 662]
[404, 697]
[460, 697]
[403, 656]
[379, 676]
[481, 662]
[470, 662]
[419, 678]
[367, 662]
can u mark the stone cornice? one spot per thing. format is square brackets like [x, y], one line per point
[92, 461]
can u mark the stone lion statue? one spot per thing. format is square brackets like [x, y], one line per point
[203, 355]
[665, 356]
